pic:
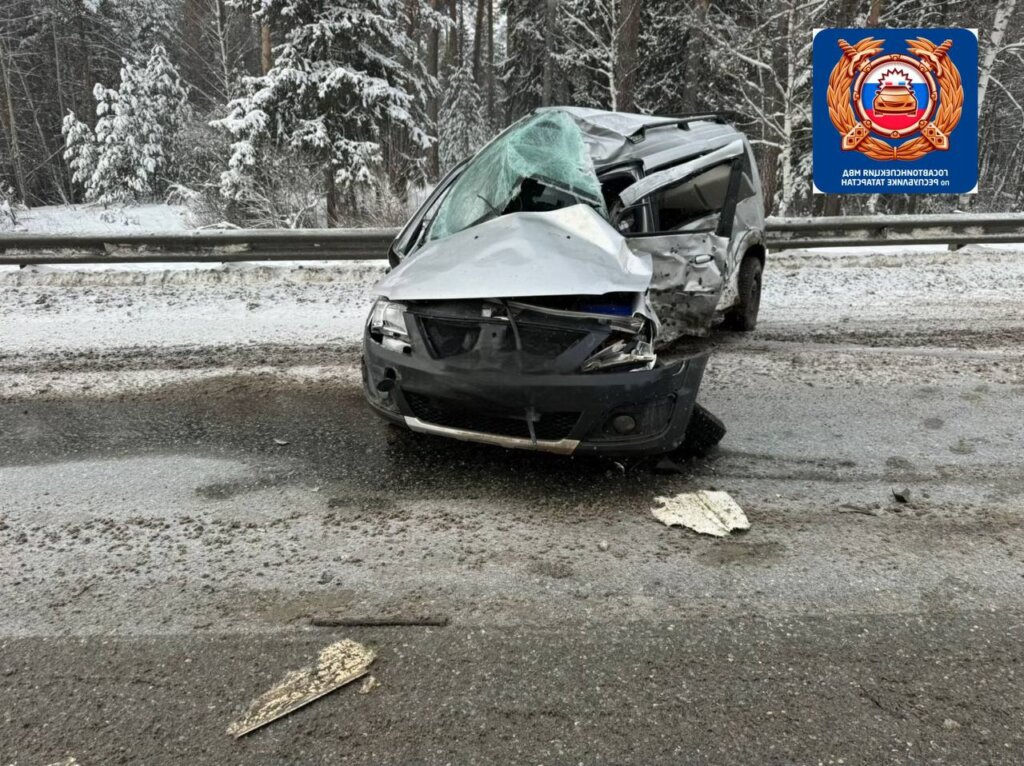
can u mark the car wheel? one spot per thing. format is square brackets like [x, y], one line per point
[743, 316]
[702, 434]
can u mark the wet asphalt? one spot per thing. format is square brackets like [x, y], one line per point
[165, 554]
[707, 689]
[165, 551]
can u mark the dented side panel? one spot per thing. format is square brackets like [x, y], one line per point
[687, 281]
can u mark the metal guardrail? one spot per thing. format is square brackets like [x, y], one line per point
[845, 231]
[197, 246]
[372, 244]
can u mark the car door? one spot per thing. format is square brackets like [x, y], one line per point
[692, 207]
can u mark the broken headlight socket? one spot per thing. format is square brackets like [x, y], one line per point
[634, 353]
[387, 326]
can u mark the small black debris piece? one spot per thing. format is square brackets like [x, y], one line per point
[901, 495]
[666, 464]
[702, 434]
[334, 621]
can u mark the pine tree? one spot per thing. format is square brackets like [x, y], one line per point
[523, 67]
[337, 85]
[463, 121]
[79, 149]
[127, 154]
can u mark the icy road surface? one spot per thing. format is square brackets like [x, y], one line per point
[163, 552]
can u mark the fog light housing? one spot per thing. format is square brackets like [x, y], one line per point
[624, 424]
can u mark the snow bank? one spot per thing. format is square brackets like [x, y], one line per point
[96, 219]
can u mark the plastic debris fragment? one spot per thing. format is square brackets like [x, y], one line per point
[337, 665]
[709, 513]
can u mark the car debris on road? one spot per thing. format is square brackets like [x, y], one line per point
[337, 665]
[901, 496]
[706, 512]
[548, 294]
[369, 685]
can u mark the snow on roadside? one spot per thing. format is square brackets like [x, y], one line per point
[67, 314]
[97, 219]
[820, 287]
[54, 310]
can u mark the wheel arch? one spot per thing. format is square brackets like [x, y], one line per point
[758, 250]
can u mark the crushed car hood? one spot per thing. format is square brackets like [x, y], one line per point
[571, 251]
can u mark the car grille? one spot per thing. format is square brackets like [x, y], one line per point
[552, 426]
[548, 341]
[451, 337]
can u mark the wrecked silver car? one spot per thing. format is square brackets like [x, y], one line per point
[548, 293]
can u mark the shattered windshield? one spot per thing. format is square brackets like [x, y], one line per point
[540, 165]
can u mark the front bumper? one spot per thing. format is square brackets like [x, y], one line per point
[551, 412]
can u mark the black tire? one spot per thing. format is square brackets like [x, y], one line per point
[743, 316]
[703, 433]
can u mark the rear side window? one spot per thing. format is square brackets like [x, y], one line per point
[697, 197]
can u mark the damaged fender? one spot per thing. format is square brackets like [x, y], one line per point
[689, 265]
[687, 281]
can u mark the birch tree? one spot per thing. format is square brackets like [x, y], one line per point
[762, 54]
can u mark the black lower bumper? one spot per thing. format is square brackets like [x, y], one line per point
[566, 414]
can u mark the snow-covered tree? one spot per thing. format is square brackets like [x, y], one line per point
[79, 150]
[463, 120]
[336, 87]
[522, 70]
[762, 55]
[127, 155]
[353, 91]
[598, 47]
[673, 75]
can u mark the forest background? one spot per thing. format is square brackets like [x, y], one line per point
[294, 113]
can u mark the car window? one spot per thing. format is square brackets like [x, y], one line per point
[540, 164]
[699, 198]
[694, 198]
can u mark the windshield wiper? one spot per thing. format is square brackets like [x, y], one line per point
[493, 209]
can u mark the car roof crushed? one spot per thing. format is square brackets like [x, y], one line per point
[618, 138]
